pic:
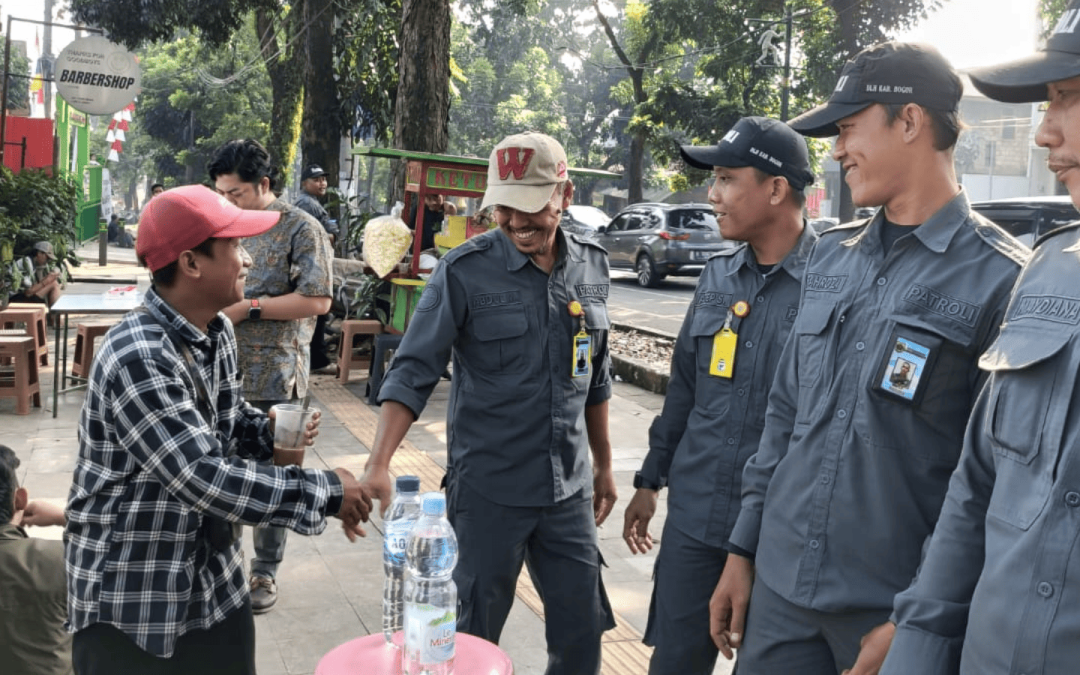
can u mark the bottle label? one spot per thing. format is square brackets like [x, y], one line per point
[397, 532]
[430, 632]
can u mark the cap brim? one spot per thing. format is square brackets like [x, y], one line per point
[248, 224]
[1025, 80]
[710, 156]
[526, 198]
[821, 121]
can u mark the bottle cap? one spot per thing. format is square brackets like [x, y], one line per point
[408, 484]
[433, 503]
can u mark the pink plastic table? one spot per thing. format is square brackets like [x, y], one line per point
[370, 655]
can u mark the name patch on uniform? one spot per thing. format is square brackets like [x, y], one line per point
[715, 298]
[586, 292]
[942, 305]
[1049, 307]
[495, 299]
[822, 282]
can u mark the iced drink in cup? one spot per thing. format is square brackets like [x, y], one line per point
[291, 423]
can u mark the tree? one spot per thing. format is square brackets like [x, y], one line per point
[321, 122]
[281, 52]
[18, 80]
[421, 112]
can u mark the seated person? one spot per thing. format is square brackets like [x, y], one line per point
[42, 276]
[114, 228]
[435, 209]
[33, 588]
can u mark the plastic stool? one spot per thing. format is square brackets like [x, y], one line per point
[372, 656]
[84, 346]
[22, 384]
[33, 316]
[347, 360]
[383, 343]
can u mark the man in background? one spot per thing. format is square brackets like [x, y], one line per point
[312, 191]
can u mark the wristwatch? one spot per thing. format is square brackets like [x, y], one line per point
[643, 482]
[254, 311]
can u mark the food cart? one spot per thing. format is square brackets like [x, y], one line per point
[450, 176]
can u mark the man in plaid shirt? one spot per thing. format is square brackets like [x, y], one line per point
[155, 575]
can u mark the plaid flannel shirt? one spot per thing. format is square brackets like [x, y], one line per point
[150, 467]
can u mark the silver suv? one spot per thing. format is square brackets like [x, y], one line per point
[657, 240]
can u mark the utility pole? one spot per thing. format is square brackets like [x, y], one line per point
[47, 59]
[787, 63]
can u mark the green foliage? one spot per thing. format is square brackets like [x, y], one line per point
[35, 206]
[18, 95]
[365, 66]
[1051, 11]
[137, 22]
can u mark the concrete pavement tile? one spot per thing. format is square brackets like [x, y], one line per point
[54, 484]
[53, 457]
[631, 600]
[268, 659]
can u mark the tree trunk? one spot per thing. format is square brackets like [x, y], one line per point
[322, 121]
[286, 73]
[422, 109]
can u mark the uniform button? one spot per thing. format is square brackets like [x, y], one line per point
[859, 346]
[814, 544]
[749, 344]
[1072, 498]
[824, 480]
[761, 298]
[841, 414]
[882, 281]
[742, 392]
[1044, 589]
[731, 441]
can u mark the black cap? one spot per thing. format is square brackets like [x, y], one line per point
[760, 142]
[891, 72]
[312, 171]
[1025, 81]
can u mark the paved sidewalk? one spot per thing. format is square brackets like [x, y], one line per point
[330, 591]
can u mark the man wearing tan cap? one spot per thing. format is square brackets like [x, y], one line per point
[155, 570]
[523, 312]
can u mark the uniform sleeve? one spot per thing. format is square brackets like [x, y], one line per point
[668, 427]
[759, 469]
[425, 349]
[932, 614]
[312, 260]
[156, 421]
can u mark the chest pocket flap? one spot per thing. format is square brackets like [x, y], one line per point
[813, 345]
[956, 333]
[596, 316]
[707, 322]
[501, 324]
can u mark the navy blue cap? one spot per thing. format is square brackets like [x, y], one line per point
[760, 142]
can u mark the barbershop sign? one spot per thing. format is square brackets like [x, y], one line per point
[97, 76]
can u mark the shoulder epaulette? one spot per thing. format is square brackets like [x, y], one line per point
[727, 252]
[470, 245]
[1000, 240]
[585, 241]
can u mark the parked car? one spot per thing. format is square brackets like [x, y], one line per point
[1028, 218]
[583, 220]
[657, 240]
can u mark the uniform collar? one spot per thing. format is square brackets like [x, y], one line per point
[794, 263]
[515, 259]
[935, 234]
[9, 532]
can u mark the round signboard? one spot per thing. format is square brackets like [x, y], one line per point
[97, 76]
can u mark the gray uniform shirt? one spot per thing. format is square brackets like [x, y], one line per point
[1001, 579]
[313, 208]
[711, 425]
[855, 457]
[516, 417]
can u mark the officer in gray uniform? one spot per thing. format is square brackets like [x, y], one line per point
[522, 311]
[867, 413]
[998, 590]
[725, 358]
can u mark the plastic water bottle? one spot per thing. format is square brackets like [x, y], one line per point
[430, 593]
[404, 511]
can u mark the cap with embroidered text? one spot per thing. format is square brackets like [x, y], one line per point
[760, 142]
[891, 72]
[523, 171]
[1025, 80]
[180, 219]
[311, 171]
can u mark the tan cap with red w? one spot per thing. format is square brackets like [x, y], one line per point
[523, 171]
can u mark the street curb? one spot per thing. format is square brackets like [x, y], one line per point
[637, 372]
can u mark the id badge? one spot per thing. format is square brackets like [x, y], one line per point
[722, 360]
[907, 363]
[582, 366]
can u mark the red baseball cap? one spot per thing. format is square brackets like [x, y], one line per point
[180, 219]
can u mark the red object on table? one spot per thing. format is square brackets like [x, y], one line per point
[370, 655]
